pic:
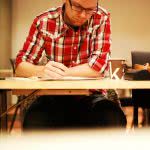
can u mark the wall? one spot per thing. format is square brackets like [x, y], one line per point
[130, 23]
[130, 26]
[5, 33]
[23, 14]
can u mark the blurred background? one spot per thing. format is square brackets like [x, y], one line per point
[130, 25]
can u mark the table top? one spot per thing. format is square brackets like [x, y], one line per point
[74, 84]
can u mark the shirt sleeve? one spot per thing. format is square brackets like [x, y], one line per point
[33, 46]
[101, 47]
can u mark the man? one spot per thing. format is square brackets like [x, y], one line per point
[76, 40]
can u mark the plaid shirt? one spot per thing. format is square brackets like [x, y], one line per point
[90, 43]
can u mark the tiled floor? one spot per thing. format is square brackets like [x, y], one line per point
[127, 110]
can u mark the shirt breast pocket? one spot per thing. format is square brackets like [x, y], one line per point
[48, 41]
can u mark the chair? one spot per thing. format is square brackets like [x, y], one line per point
[23, 101]
[12, 62]
[140, 97]
[19, 104]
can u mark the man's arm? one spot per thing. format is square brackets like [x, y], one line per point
[101, 43]
[51, 69]
[83, 70]
[26, 69]
[58, 70]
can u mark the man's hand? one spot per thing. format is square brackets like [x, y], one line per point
[54, 70]
[141, 67]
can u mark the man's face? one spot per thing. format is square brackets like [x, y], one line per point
[79, 11]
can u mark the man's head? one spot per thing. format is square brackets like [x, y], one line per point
[77, 12]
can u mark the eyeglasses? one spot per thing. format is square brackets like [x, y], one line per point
[80, 9]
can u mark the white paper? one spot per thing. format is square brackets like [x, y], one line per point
[70, 78]
[51, 79]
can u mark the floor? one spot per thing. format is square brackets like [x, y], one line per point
[127, 110]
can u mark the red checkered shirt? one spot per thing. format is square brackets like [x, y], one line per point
[50, 35]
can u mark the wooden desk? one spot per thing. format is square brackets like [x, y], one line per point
[80, 87]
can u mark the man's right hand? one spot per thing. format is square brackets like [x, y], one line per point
[54, 70]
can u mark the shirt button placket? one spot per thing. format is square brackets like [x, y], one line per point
[75, 52]
[75, 48]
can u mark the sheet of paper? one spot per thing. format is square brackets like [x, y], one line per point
[20, 78]
[70, 78]
[51, 79]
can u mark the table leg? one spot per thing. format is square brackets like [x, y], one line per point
[3, 108]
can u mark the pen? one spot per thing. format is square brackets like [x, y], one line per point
[48, 57]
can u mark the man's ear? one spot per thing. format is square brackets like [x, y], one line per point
[63, 1]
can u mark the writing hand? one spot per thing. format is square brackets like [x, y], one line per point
[54, 70]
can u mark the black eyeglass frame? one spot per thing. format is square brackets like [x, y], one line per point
[80, 9]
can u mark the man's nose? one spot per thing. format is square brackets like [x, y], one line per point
[83, 14]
